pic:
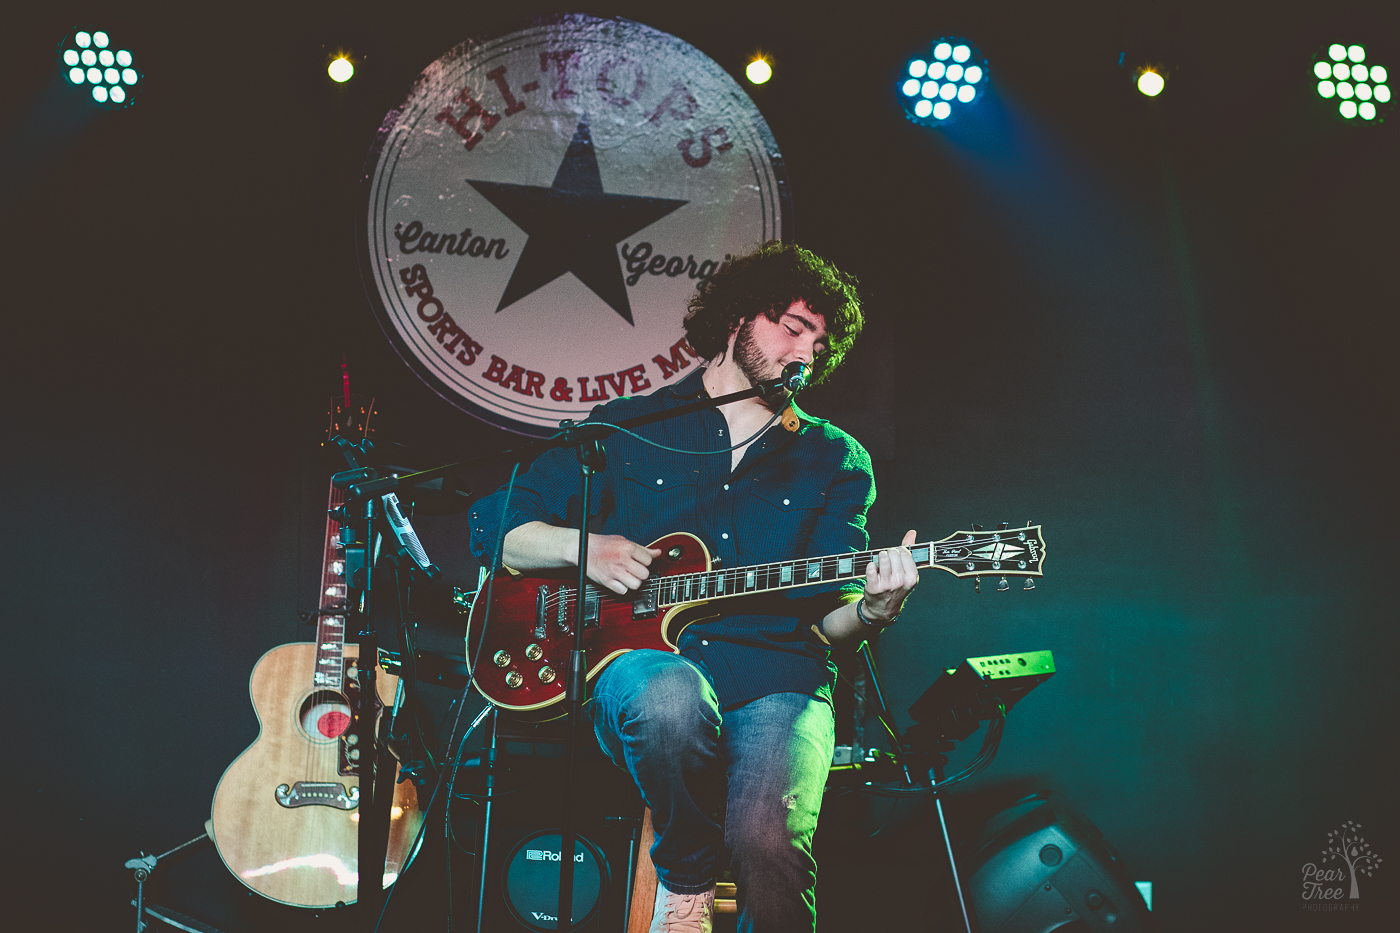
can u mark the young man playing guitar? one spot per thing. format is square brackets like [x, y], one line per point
[743, 714]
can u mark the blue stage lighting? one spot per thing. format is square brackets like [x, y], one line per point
[1358, 87]
[89, 60]
[937, 84]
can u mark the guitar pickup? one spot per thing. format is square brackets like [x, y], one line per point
[318, 794]
[591, 604]
[541, 607]
[644, 606]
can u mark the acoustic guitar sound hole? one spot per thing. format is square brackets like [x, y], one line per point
[325, 715]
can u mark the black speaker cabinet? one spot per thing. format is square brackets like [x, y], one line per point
[521, 887]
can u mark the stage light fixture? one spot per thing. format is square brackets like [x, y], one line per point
[1150, 83]
[1343, 74]
[952, 72]
[759, 71]
[88, 60]
[340, 70]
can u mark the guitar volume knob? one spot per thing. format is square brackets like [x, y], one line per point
[547, 674]
[502, 658]
[513, 679]
[534, 652]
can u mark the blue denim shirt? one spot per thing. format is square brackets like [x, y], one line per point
[795, 494]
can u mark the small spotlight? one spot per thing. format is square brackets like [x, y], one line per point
[341, 70]
[1150, 83]
[759, 71]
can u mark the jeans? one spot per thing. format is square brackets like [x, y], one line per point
[655, 714]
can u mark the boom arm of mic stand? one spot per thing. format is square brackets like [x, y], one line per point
[571, 436]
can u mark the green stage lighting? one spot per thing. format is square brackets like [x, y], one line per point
[1359, 87]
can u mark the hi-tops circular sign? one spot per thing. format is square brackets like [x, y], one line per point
[541, 206]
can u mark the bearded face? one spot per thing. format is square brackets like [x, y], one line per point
[750, 357]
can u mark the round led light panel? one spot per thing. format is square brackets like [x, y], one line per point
[86, 59]
[939, 81]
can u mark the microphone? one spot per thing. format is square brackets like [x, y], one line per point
[794, 376]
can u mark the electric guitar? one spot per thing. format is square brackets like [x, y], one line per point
[524, 657]
[286, 812]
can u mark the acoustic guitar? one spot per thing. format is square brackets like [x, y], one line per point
[525, 654]
[286, 812]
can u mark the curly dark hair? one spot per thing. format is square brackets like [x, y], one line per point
[768, 281]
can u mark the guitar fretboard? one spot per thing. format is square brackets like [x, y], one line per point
[330, 626]
[759, 578]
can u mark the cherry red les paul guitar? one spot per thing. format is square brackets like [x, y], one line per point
[522, 662]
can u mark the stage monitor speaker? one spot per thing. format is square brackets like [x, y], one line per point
[522, 878]
[1039, 866]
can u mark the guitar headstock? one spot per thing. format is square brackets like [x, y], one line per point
[351, 419]
[1005, 552]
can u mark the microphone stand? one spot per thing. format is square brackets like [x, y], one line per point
[587, 438]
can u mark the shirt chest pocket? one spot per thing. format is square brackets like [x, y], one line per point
[659, 505]
[788, 516]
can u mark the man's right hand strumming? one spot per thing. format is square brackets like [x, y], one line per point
[614, 562]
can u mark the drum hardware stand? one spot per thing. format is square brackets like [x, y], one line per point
[142, 868]
[365, 486]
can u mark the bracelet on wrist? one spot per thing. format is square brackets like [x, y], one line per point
[860, 614]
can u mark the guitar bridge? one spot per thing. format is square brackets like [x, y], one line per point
[318, 794]
[592, 603]
[541, 605]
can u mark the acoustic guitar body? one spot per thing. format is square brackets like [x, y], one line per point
[286, 812]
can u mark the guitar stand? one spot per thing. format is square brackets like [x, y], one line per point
[142, 868]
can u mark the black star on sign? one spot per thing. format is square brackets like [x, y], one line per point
[573, 226]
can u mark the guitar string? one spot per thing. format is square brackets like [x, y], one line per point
[687, 581]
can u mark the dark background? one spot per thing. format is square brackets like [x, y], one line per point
[1163, 328]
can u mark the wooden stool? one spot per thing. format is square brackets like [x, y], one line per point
[644, 885]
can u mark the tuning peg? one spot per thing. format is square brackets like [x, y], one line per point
[1005, 525]
[1003, 586]
[1030, 584]
[976, 527]
[976, 584]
